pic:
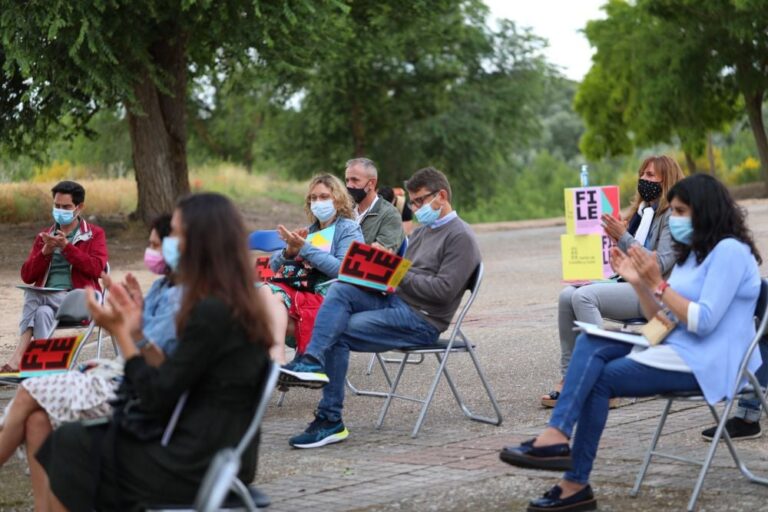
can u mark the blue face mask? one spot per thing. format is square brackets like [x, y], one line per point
[426, 215]
[63, 217]
[681, 229]
[323, 210]
[171, 253]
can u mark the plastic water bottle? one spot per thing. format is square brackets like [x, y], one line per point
[584, 175]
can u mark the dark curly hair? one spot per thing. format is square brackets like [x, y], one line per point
[714, 216]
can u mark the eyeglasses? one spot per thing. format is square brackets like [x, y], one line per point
[417, 202]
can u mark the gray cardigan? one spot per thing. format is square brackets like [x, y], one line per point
[661, 242]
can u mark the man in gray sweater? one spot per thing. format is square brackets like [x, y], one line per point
[444, 255]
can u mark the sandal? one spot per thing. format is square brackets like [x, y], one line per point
[6, 368]
[550, 399]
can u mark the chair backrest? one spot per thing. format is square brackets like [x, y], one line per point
[73, 309]
[473, 286]
[266, 240]
[403, 247]
[761, 308]
[267, 388]
[224, 467]
[761, 320]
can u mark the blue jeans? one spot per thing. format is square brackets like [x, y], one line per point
[352, 318]
[749, 408]
[598, 372]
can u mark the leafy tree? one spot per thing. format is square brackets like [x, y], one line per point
[66, 60]
[414, 83]
[645, 85]
[731, 37]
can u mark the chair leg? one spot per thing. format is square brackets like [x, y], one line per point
[369, 369]
[241, 490]
[648, 454]
[281, 399]
[391, 394]
[719, 431]
[363, 392]
[98, 344]
[488, 391]
[428, 400]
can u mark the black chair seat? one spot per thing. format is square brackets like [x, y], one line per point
[434, 347]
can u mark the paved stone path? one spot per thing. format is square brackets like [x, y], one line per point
[453, 465]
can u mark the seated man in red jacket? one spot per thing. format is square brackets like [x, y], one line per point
[72, 253]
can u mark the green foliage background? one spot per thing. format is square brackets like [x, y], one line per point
[417, 83]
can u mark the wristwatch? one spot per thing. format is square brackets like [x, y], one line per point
[659, 291]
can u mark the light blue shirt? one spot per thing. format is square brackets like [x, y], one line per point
[445, 220]
[723, 290]
[161, 304]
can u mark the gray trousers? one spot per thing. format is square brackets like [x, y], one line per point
[590, 303]
[39, 312]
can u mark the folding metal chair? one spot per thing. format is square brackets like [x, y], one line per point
[456, 342]
[73, 314]
[761, 318]
[220, 480]
[265, 240]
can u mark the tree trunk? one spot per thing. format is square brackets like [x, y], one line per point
[754, 104]
[157, 124]
[690, 162]
[710, 154]
[358, 130]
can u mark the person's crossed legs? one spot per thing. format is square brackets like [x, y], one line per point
[351, 318]
[598, 372]
[37, 317]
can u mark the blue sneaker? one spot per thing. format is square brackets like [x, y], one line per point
[320, 433]
[304, 371]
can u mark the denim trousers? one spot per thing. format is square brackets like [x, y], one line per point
[749, 408]
[598, 372]
[353, 318]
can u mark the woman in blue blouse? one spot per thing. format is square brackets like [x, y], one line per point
[292, 306]
[712, 293]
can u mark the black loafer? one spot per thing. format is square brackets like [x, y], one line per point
[553, 458]
[551, 501]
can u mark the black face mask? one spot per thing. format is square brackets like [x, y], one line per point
[358, 194]
[649, 190]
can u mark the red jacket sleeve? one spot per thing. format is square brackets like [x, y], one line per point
[36, 265]
[91, 261]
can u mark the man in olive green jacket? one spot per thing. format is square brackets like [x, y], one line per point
[381, 223]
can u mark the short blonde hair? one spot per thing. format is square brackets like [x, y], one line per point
[341, 199]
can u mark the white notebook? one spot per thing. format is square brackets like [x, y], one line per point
[626, 337]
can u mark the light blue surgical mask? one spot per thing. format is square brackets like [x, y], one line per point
[171, 253]
[63, 217]
[426, 215]
[323, 210]
[681, 229]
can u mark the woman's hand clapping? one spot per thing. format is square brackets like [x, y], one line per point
[294, 240]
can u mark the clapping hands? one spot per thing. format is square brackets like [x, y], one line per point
[52, 242]
[122, 309]
[637, 266]
[294, 240]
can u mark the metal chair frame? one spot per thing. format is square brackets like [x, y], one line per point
[720, 431]
[221, 477]
[456, 342]
[89, 329]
